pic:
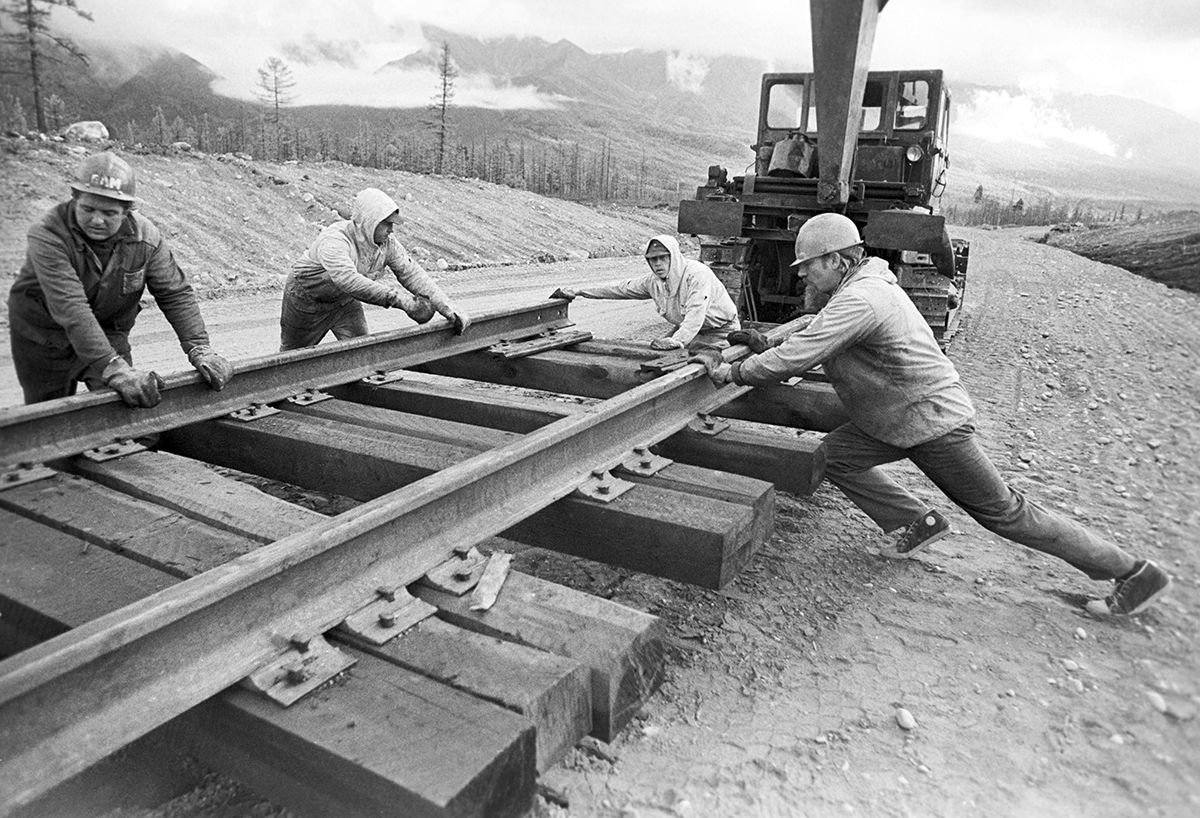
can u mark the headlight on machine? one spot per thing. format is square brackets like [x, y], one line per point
[914, 153]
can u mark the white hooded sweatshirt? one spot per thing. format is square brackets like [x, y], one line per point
[692, 298]
[344, 262]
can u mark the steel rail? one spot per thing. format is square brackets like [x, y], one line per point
[67, 702]
[59, 428]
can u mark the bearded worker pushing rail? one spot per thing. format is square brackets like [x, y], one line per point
[905, 401]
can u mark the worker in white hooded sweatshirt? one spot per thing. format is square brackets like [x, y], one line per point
[341, 269]
[685, 292]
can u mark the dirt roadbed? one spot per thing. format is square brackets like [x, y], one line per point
[785, 691]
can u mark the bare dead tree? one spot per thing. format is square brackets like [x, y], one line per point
[275, 84]
[30, 18]
[275, 90]
[442, 100]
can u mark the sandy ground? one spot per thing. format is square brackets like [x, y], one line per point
[784, 689]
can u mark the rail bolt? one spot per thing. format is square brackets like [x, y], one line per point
[387, 619]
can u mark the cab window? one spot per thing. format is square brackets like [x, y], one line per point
[785, 106]
[912, 106]
[874, 100]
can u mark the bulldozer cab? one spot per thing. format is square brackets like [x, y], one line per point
[902, 148]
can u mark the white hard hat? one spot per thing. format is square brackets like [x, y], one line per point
[825, 233]
[105, 174]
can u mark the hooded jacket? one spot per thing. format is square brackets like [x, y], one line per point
[692, 298]
[344, 263]
[63, 295]
[881, 357]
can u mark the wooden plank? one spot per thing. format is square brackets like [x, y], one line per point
[462, 435]
[197, 491]
[788, 461]
[622, 647]
[766, 453]
[471, 402]
[320, 454]
[299, 746]
[382, 741]
[53, 580]
[552, 691]
[670, 533]
[109, 519]
[622, 348]
[801, 405]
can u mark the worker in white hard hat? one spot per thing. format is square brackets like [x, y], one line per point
[343, 268]
[87, 264]
[905, 400]
[686, 292]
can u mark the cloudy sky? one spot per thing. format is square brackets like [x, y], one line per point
[1144, 50]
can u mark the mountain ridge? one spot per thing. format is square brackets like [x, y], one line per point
[642, 105]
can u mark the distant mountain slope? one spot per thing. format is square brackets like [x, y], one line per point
[668, 116]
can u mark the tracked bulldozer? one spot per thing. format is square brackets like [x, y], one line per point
[873, 145]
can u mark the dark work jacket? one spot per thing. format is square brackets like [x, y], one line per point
[63, 296]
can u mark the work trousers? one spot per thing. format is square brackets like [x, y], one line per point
[49, 370]
[957, 464]
[304, 321]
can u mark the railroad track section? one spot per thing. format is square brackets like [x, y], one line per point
[342, 665]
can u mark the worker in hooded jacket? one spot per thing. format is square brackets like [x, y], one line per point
[685, 292]
[343, 267]
[71, 309]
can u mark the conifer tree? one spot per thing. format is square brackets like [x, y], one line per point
[32, 35]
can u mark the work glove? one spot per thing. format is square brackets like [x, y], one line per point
[215, 370]
[136, 388]
[421, 310]
[460, 320]
[457, 318]
[564, 292]
[666, 343]
[719, 372]
[400, 300]
[751, 338]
